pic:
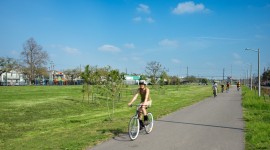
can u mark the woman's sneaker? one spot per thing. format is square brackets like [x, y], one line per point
[146, 122]
[141, 124]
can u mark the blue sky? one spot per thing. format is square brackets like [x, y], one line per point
[203, 35]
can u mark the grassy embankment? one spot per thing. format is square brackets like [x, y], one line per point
[55, 117]
[257, 120]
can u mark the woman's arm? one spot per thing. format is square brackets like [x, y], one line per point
[146, 96]
[134, 98]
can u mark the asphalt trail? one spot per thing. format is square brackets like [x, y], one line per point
[212, 124]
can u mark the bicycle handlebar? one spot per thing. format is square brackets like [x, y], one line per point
[137, 105]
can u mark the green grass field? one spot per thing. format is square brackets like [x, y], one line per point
[55, 117]
[257, 120]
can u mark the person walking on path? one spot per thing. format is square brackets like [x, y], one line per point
[214, 87]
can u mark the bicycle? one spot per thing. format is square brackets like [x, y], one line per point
[215, 92]
[134, 124]
[222, 88]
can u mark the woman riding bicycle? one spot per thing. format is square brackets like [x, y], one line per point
[144, 92]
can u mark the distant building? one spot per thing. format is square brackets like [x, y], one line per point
[13, 78]
[57, 78]
[129, 79]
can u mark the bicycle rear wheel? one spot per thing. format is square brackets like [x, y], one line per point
[149, 127]
[133, 128]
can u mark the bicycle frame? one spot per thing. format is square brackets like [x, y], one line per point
[137, 113]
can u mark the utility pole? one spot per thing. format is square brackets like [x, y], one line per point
[231, 71]
[187, 71]
[231, 74]
[251, 77]
[259, 77]
[223, 73]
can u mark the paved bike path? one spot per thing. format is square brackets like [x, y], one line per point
[212, 124]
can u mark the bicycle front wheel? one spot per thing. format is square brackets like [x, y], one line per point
[149, 126]
[133, 128]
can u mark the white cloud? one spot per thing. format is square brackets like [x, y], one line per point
[176, 61]
[147, 19]
[189, 7]
[150, 20]
[236, 56]
[144, 11]
[109, 48]
[67, 49]
[129, 45]
[238, 62]
[71, 50]
[135, 58]
[219, 38]
[210, 64]
[124, 59]
[143, 8]
[168, 43]
[137, 19]
[237, 59]
[15, 53]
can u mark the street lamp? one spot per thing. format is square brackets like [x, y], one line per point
[259, 78]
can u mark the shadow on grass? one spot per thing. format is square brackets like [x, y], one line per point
[71, 99]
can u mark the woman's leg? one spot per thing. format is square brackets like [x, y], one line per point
[140, 118]
[144, 110]
[145, 117]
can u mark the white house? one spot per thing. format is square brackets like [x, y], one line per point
[129, 79]
[12, 78]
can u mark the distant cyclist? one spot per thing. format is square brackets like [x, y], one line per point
[238, 86]
[227, 86]
[146, 101]
[222, 87]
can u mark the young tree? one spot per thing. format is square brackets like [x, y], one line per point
[34, 58]
[114, 85]
[164, 78]
[86, 77]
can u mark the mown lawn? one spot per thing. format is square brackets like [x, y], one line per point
[56, 117]
[257, 120]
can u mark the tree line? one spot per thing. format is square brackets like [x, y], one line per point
[33, 62]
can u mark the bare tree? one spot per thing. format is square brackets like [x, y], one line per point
[153, 70]
[34, 58]
[72, 74]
